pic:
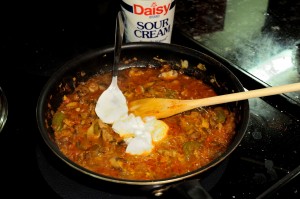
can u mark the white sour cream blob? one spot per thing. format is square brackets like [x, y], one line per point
[138, 133]
[111, 105]
[139, 144]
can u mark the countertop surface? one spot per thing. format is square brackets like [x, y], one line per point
[259, 39]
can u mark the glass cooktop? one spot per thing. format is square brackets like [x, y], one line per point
[260, 37]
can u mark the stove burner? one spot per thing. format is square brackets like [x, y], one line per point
[68, 183]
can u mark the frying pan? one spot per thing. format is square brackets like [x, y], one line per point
[142, 54]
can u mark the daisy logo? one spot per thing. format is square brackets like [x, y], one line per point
[154, 9]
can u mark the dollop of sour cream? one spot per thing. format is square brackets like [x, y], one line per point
[138, 133]
[112, 104]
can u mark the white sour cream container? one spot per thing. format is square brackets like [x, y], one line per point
[148, 20]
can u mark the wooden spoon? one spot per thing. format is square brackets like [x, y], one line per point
[162, 108]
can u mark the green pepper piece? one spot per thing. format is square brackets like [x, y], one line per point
[190, 147]
[57, 121]
[221, 117]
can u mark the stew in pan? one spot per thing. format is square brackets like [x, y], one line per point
[187, 141]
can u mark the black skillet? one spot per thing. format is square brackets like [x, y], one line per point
[154, 54]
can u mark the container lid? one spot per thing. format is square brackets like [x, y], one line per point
[3, 109]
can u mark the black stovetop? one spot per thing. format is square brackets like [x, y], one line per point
[39, 37]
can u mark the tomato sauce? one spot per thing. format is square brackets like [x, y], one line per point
[193, 140]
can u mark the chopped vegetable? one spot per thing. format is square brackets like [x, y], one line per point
[221, 117]
[190, 147]
[57, 121]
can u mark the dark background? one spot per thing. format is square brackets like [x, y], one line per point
[37, 38]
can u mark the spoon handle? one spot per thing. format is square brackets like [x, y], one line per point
[245, 95]
[118, 42]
